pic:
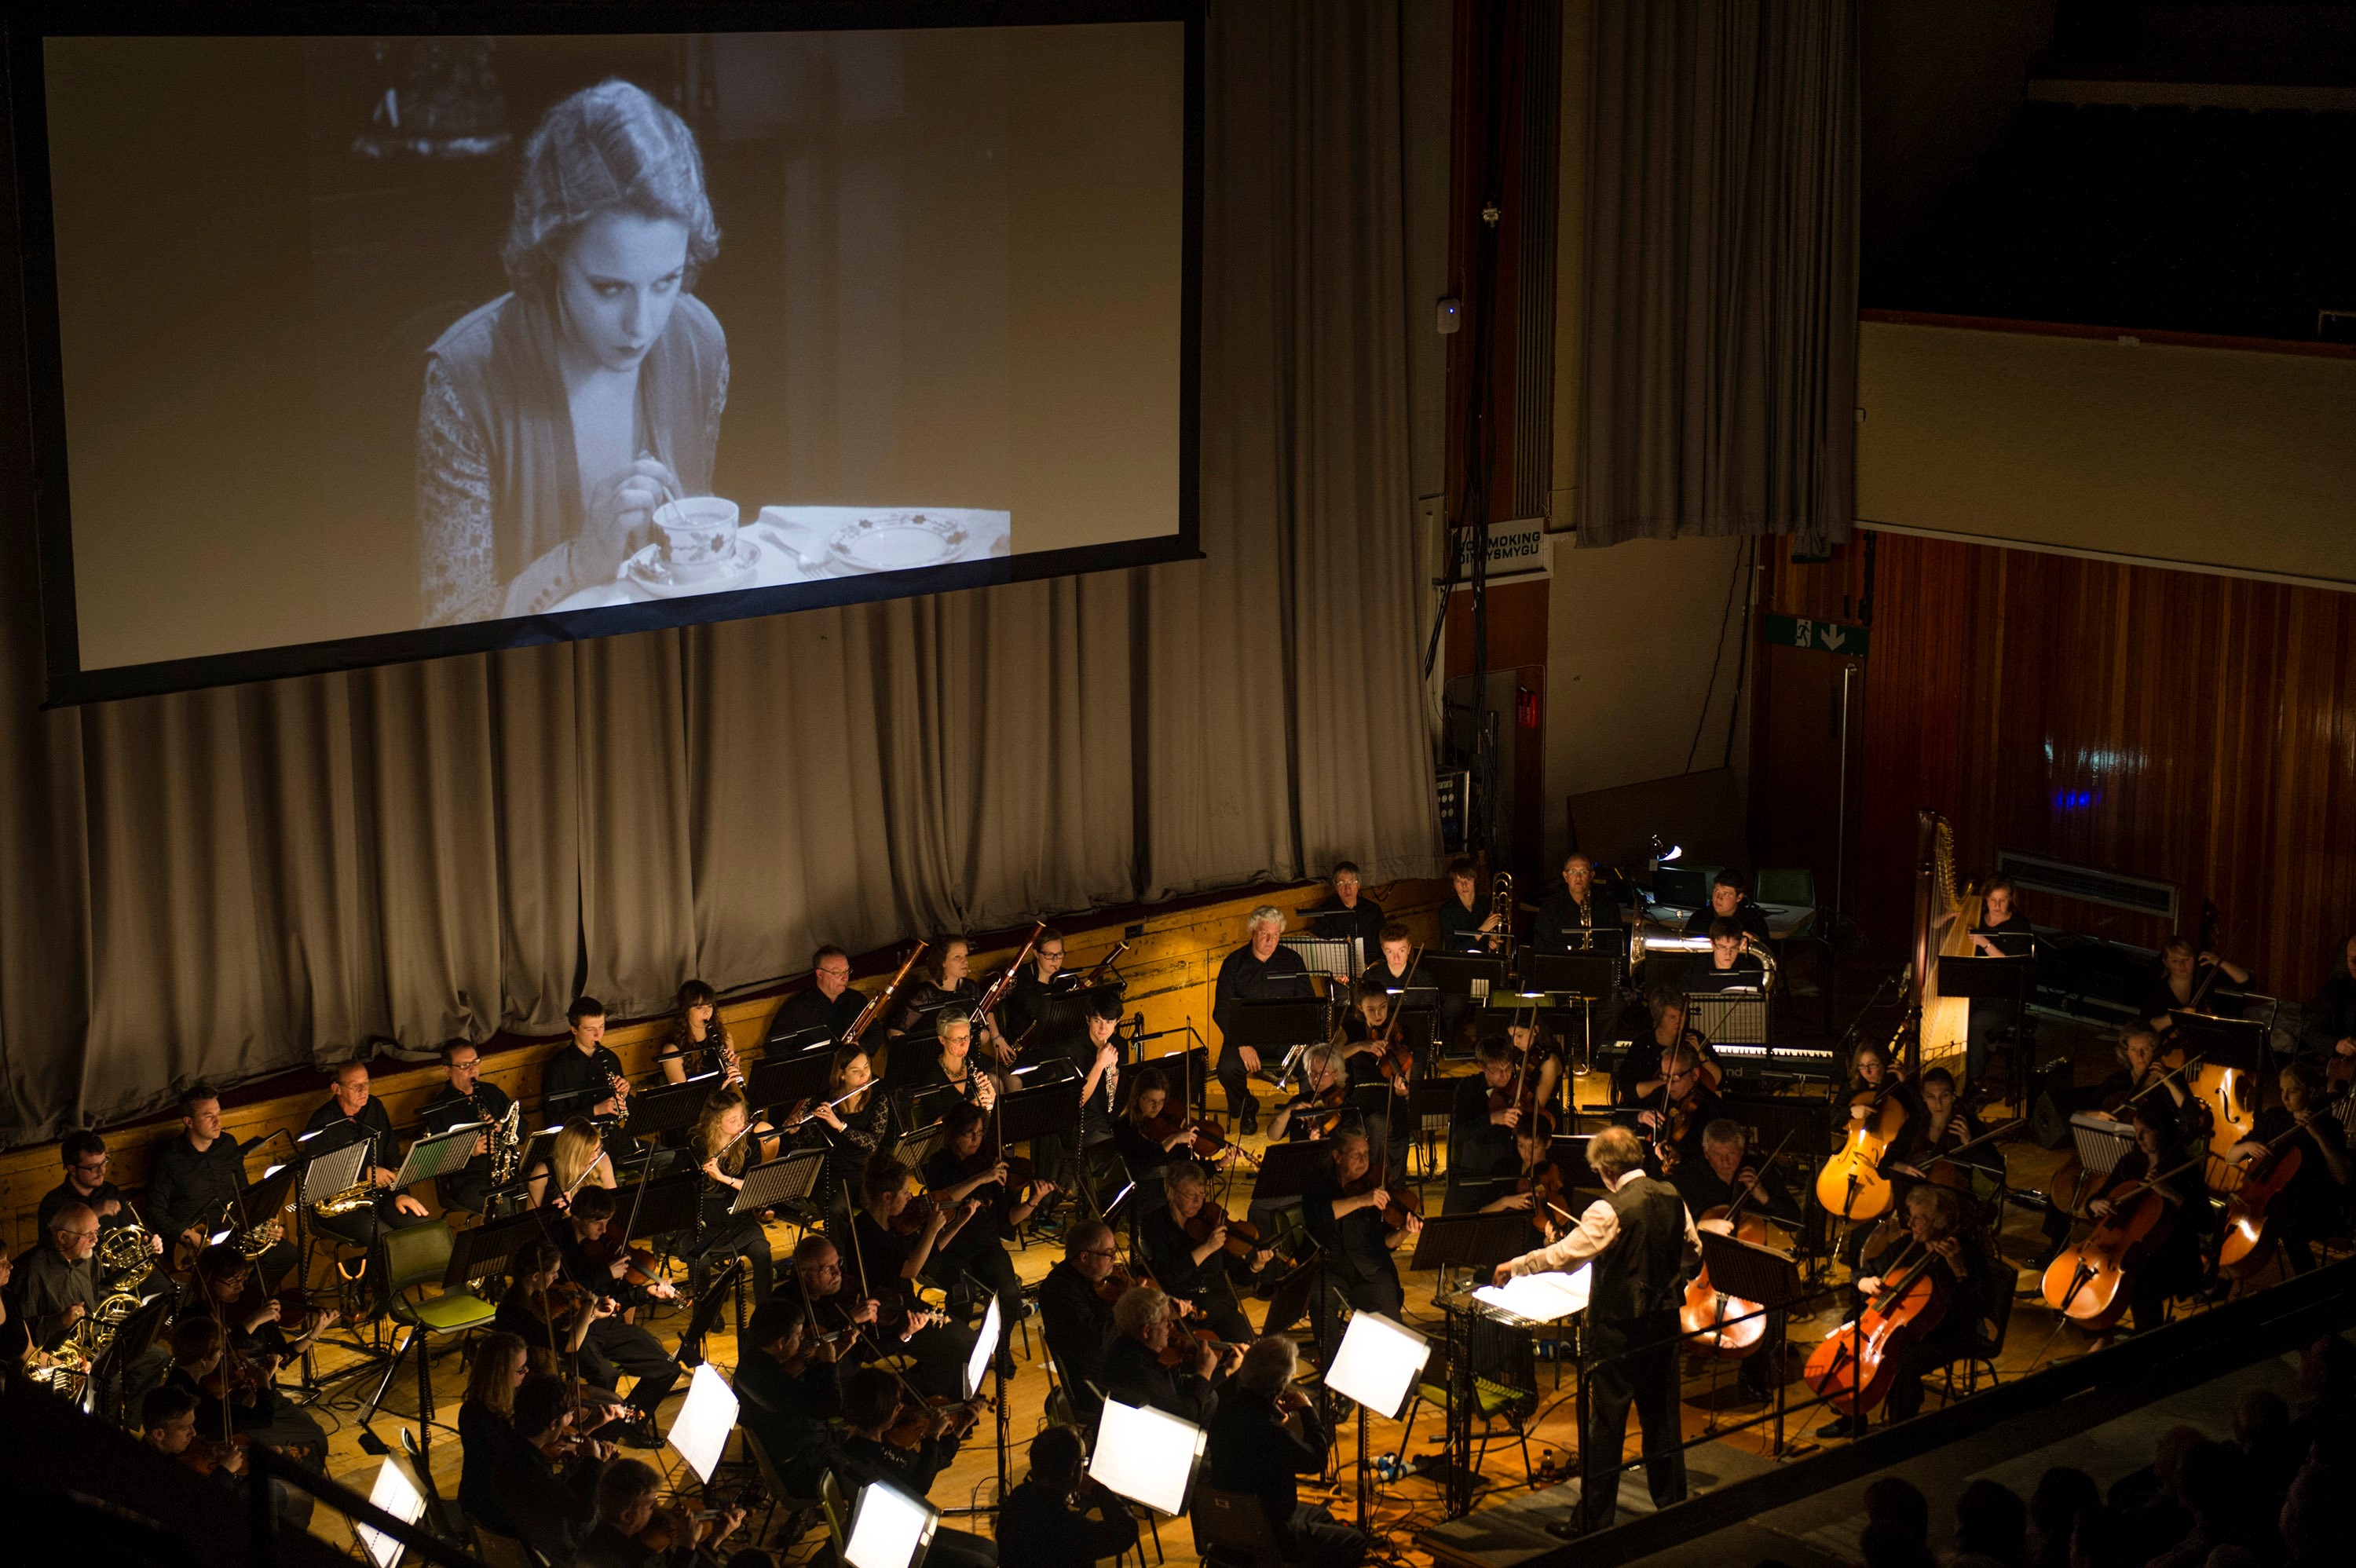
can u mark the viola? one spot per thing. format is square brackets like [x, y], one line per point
[1851, 1184]
[2089, 1284]
[1243, 1239]
[1853, 1369]
[1321, 1111]
[1403, 1202]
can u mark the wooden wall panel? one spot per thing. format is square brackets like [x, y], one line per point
[2193, 728]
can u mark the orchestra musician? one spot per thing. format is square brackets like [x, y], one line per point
[1349, 912]
[1481, 1140]
[788, 1387]
[829, 1004]
[534, 1270]
[57, 1285]
[617, 1345]
[893, 1257]
[2315, 1204]
[465, 1097]
[974, 1250]
[945, 984]
[872, 1398]
[350, 1115]
[2172, 1267]
[1075, 1317]
[253, 1346]
[1877, 1073]
[726, 1143]
[85, 1155]
[1201, 1273]
[1135, 1373]
[1948, 1125]
[852, 1132]
[1343, 1212]
[1533, 1037]
[2329, 1028]
[193, 1186]
[1534, 1160]
[1687, 1106]
[698, 1040]
[487, 1417]
[1962, 1274]
[1637, 1079]
[1362, 1065]
[819, 1292]
[2194, 980]
[1262, 969]
[585, 1078]
[626, 1506]
[2003, 932]
[1324, 1089]
[1388, 971]
[1467, 923]
[1059, 1517]
[545, 1486]
[1148, 1156]
[1732, 966]
[949, 1075]
[574, 1159]
[1265, 1434]
[1729, 900]
[1568, 919]
[1727, 1171]
[1095, 1057]
[229, 1412]
[1643, 1246]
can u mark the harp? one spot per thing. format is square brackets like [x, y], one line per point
[1944, 919]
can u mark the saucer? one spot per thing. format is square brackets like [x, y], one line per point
[895, 541]
[649, 571]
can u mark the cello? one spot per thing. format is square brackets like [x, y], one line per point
[1851, 1184]
[2087, 1284]
[1723, 1327]
[2253, 1217]
[1853, 1369]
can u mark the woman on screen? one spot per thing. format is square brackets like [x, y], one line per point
[559, 416]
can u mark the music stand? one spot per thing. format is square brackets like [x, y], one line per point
[1285, 1169]
[663, 1206]
[791, 1041]
[1337, 957]
[2237, 1043]
[1288, 1302]
[443, 1154]
[480, 1251]
[780, 1184]
[919, 1146]
[2007, 980]
[1275, 1026]
[1479, 1241]
[1802, 1125]
[332, 1172]
[1465, 974]
[654, 1112]
[776, 1081]
[1590, 976]
[1038, 1113]
[1755, 1273]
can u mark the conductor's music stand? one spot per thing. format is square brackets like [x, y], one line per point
[1478, 1242]
[1755, 1273]
[2005, 980]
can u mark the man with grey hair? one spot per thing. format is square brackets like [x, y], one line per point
[1265, 1432]
[1262, 969]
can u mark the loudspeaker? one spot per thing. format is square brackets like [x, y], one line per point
[2054, 1090]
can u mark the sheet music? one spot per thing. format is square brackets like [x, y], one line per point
[1540, 1297]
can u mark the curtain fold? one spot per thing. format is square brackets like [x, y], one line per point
[1720, 313]
[224, 883]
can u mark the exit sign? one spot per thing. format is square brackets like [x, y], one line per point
[1822, 636]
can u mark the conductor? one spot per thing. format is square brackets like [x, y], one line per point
[1644, 1249]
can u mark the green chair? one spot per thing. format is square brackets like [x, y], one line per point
[414, 1258]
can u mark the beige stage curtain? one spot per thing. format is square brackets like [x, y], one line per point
[223, 883]
[1721, 308]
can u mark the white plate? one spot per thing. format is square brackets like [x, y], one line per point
[649, 571]
[896, 541]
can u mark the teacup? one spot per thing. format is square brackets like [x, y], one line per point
[699, 536]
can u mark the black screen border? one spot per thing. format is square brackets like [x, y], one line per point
[47, 491]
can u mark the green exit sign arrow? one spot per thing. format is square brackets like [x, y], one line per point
[1819, 636]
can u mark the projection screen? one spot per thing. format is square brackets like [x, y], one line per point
[363, 344]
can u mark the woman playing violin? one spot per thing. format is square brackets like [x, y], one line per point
[2315, 1203]
[1372, 1062]
[957, 1171]
[1489, 1105]
[1191, 1261]
[1324, 1103]
[894, 1249]
[1961, 1274]
[1636, 1082]
[1146, 1149]
[698, 1041]
[726, 1143]
[550, 1317]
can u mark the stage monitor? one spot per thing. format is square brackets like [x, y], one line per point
[350, 344]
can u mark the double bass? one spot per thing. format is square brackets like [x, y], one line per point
[1852, 1371]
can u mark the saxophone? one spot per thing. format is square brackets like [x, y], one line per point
[507, 1144]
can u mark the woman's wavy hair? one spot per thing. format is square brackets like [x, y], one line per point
[607, 148]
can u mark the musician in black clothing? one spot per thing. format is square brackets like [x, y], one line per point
[1879, 1077]
[975, 1253]
[1729, 1168]
[1480, 1140]
[196, 1177]
[726, 1143]
[1732, 967]
[943, 985]
[1568, 921]
[2193, 980]
[1322, 1104]
[1390, 970]
[1378, 1075]
[2173, 1264]
[891, 1259]
[788, 1387]
[1357, 1239]
[1075, 1317]
[1687, 1105]
[872, 1397]
[2003, 932]
[853, 1132]
[626, 1504]
[587, 1079]
[2315, 1203]
[1263, 969]
[2330, 1023]
[545, 1503]
[1467, 923]
[829, 1004]
[625, 1345]
[1729, 900]
[1636, 1080]
[351, 1115]
[698, 1040]
[847, 1323]
[1265, 1434]
[1135, 1373]
[1947, 1126]
[1202, 1274]
[1348, 913]
[1058, 1518]
[1644, 1248]
[59, 1284]
[487, 1417]
[523, 1311]
[465, 1098]
[1148, 1156]
[1962, 1273]
[85, 1155]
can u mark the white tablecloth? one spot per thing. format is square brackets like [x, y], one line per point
[791, 539]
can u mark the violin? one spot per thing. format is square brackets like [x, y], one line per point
[641, 1260]
[206, 1455]
[1210, 1137]
[1403, 1202]
[1547, 1187]
[1320, 1110]
[1853, 1369]
[1180, 1347]
[559, 1302]
[1116, 1285]
[1393, 1056]
[1243, 1239]
[915, 1215]
[1851, 1184]
[2088, 1284]
[918, 1419]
